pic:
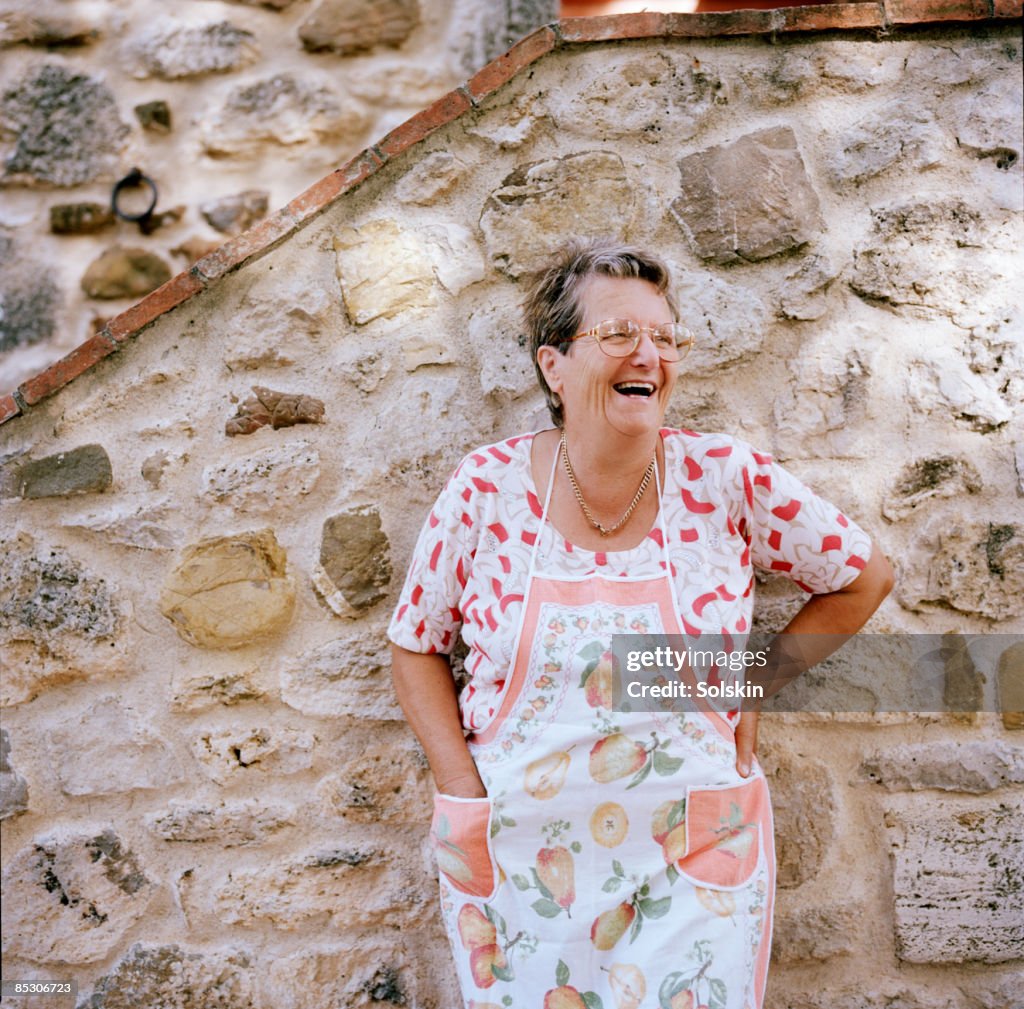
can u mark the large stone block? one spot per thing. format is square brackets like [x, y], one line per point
[59, 622]
[200, 691]
[926, 255]
[387, 781]
[82, 470]
[805, 290]
[898, 134]
[228, 754]
[827, 398]
[30, 297]
[281, 111]
[365, 973]
[231, 215]
[729, 320]
[354, 568]
[957, 885]
[976, 569]
[976, 767]
[276, 409]
[123, 754]
[726, 219]
[803, 799]
[1010, 686]
[945, 384]
[13, 787]
[144, 527]
[70, 897]
[264, 481]
[643, 98]
[940, 476]
[228, 591]
[352, 26]
[173, 51]
[816, 933]
[174, 978]
[384, 270]
[228, 824]
[60, 128]
[430, 179]
[346, 677]
[542, 204]
[125, 273]
[349, 888]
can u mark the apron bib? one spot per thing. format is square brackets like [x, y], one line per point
[619, 860]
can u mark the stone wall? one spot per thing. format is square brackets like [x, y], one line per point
[209, 796]
[231, 108]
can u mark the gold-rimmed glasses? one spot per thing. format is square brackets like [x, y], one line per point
[620, 337]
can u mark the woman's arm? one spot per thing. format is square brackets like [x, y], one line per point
[426, 692]
[832, 618]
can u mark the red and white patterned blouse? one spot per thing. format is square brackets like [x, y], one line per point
[728, 509]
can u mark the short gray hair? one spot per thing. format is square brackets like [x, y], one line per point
[553, 307]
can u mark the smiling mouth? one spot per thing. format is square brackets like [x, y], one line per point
[642, 390]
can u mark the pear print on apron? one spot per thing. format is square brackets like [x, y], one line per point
[619, 860]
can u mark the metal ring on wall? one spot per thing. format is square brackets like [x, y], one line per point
[133, 180]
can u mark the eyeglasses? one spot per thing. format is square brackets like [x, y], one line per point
[620, 337]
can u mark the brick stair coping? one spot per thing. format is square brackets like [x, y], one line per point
[884, 17]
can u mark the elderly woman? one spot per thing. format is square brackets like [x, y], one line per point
[588, 856]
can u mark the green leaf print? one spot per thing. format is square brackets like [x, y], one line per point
[521, 882]
[591, 1000]
[676, 814]
[634, 930]
[640, 775]
[546, 908]
[506, 1000]
[496, 919]
[718, 994]
[444, 828]
[562, 973]
[671, 986]
[617, 868]
[672, 873]
[587, 670]
[507, 821]
[593, 651]
[502, 973]
[540, 886]
[612, 884]
[666, 765]
[655, 908]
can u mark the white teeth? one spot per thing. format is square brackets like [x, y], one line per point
[648, 386]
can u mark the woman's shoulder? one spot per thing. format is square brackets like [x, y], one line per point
[713, 448]
[494, 464]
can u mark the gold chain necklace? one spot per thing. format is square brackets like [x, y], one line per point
[606, 530]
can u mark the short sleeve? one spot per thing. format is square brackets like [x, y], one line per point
[796, 533]
[427, 618]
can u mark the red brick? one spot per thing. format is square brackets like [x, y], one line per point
[321, 194]
[1007, 9]
[421, 125]
[163, 299]
[618, 26]
[903, 12]
[8, 407]
[251, 245]
[504, 68]
[81, 359]
[825, 16]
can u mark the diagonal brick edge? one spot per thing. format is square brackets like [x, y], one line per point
[266, 236]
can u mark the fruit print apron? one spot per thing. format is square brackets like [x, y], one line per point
[619, 860]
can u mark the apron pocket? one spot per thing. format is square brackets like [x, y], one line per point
[724, 828]
[461, 835]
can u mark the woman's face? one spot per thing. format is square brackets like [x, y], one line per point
[629, 394]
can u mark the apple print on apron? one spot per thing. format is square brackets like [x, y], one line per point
[619, 860]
